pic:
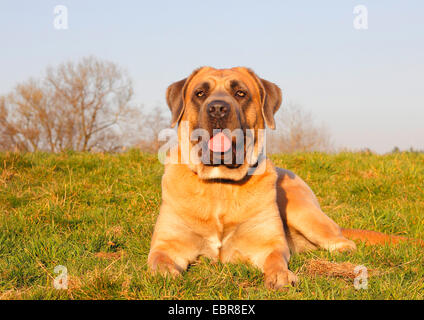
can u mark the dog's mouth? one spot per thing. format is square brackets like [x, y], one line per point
[220, 143]
[223, 150]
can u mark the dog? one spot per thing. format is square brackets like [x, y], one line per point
[226, 200]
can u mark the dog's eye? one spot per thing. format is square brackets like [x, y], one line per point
[240, 94]
[200, 94]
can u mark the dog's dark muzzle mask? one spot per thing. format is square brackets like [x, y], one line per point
[223, 138]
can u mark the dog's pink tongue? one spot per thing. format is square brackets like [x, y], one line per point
[219, 143]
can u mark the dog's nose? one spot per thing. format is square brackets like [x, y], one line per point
[218, 109]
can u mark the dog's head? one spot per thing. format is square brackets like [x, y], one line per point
[222, 115]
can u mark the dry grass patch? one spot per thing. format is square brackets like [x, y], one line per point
[110, 255]
[344, 270]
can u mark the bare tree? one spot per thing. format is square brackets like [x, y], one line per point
[23, 117]
[153, 122]
[95, 95]
[297, 131]
[7, 132]
[80, 106]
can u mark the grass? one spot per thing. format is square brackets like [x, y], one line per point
[94, 214]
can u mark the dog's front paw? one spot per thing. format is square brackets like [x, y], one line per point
[280, 279]
[160, 263]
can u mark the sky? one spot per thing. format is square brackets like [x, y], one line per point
[366, 86]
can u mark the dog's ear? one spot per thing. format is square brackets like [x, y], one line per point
[175, 100]
[271, 98]
[175, 97]
[271, 101]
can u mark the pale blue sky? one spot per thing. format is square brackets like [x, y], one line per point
[367, 85]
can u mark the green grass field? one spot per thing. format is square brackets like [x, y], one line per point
[95, 213]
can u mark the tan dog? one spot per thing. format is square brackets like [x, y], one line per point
[231, 211]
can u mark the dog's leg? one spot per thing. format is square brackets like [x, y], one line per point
[262, 242]
[302, 215]
[314, 225]
[275, 268]
[173, 246]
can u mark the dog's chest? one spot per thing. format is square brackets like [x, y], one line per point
[215, 211]
[223, 214]
[220, 229]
